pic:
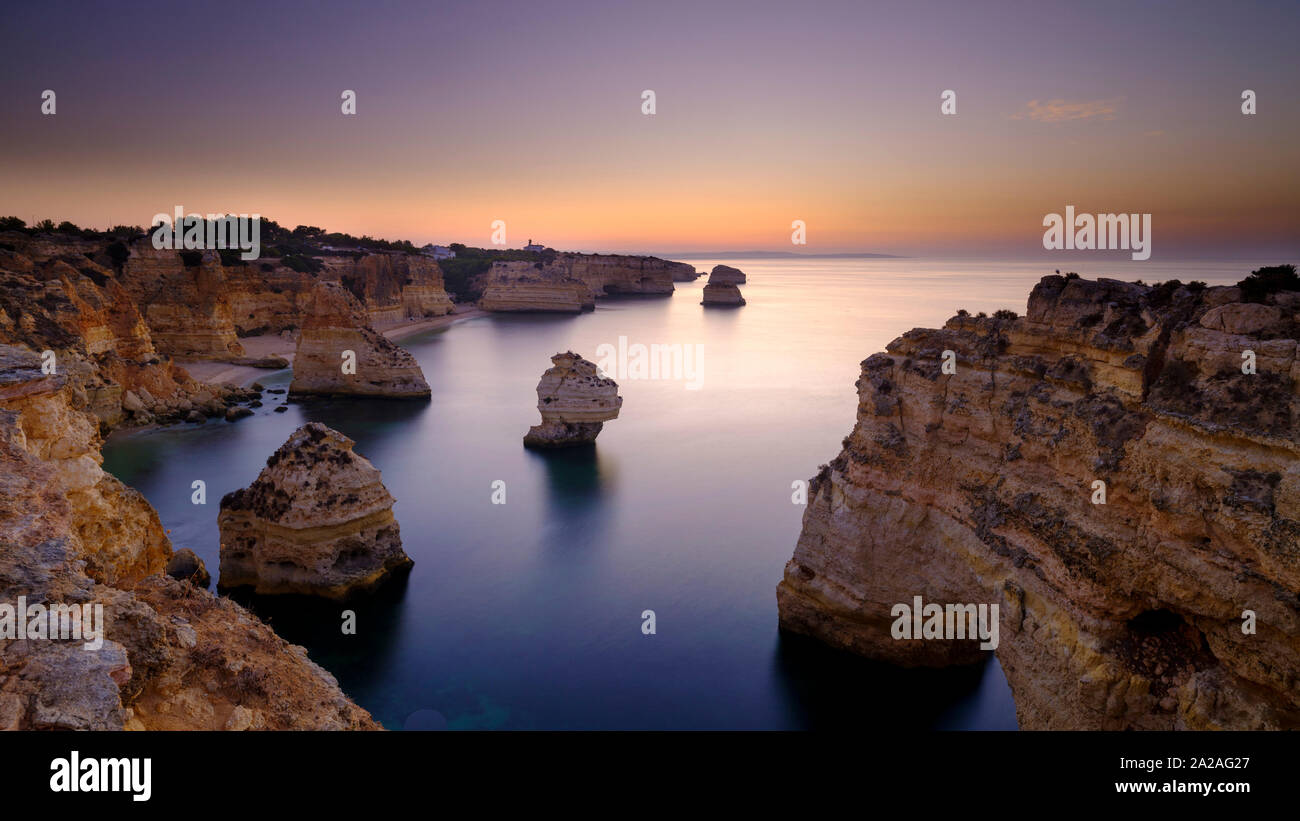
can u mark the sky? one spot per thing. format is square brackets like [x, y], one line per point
[765, 113]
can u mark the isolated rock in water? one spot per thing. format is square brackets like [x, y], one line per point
[721, 288]
[317, 521]
[186, 566]
[575, 402]
[335, 324]
[726, 275]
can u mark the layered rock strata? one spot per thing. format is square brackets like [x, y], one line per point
[722, 289]
[570, 283]
[339, 353]
[1105, 472]
[317, 521]
[575, 402]
[160, 654]
[522, 287]
[726, 275]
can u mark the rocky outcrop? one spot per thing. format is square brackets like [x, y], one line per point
[525, 287]
[266, 296]
[981, 486]
[570, 283]
[169, 655]
[183, 296]
[100, 342]
[317, 521]
[335, 325]
[721, 288]
[726, 275]
[575, 401]
[115, 531]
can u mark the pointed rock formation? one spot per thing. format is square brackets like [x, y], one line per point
[335, 323]
[317, 521]
[575, 402]
[721, 288]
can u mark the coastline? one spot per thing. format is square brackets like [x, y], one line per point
[217, 372]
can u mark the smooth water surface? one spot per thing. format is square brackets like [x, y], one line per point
[528, 614]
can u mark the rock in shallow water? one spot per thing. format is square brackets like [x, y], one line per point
[575, 401]
[317, 521]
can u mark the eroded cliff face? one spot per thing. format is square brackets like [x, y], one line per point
[268, 297]
[170, 655]
[186, 306]
[978, 487]
[527, 287]
[336, 324]
[570, 283]
[76, 308]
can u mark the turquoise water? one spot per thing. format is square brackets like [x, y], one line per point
[528, 614]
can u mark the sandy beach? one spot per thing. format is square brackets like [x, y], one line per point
[258, 347]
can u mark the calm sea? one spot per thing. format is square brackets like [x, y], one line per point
[528, 614]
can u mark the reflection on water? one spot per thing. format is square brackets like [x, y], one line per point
[528, 614]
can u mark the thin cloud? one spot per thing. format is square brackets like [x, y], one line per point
[1060, 111]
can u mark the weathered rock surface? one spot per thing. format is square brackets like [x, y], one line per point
[570, 283]
[337, 323]
[722, 289]
[520, 287]
[186, 306]
[268, 297]
[726, 275]
[575, 401]
[317, 521]
[186, 566]
[978, 487]
[172, 656]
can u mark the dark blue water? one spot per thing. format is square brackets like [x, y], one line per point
[528, 614]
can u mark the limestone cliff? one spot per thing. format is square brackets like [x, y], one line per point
[266, 296]
[100, 342]
[981, 486]
[571, 283]
[526, 287]
[172, 655]
[317, 521]
[336, 324]
[575, 402]
[184, 300]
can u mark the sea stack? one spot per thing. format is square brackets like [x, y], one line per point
[575, 402]
[721, 288]
[340, 354]
[317, 521]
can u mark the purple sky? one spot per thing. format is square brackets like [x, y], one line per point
[766, 113]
